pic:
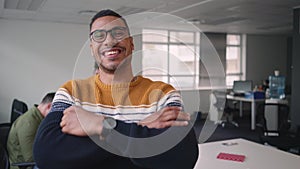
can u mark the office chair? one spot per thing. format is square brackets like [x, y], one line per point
[281, 137]
[4, 131]
[4, 161]
[229, 112]
[4, 157]
[221, 104]
[18, 108]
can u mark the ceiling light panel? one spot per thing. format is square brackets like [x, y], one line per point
[23, 4]
[225, 20]
[129, 10]
[30, 5]
[11, 4]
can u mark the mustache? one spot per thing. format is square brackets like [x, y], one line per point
[106, 49]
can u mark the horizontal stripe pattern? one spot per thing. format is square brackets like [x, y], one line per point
[128, 114]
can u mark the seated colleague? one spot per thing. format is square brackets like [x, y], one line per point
[22, 133]
[265, 85]
[69, 137]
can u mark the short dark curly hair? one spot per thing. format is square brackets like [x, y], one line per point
[107, 12]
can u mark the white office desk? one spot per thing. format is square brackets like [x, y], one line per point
[257, 156]
[253, 106]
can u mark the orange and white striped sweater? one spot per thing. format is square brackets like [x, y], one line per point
[125, 102]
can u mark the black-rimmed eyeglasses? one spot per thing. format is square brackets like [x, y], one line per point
[117, 33]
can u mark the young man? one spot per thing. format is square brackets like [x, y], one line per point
[124, 116]
[23, 130]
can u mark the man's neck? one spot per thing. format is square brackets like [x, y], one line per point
[125, 76]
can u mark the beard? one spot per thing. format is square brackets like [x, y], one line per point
[116, 67]
[108, 69]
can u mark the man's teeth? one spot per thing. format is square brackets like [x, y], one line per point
[111, 52]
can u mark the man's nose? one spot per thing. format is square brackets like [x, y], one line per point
[109, 40]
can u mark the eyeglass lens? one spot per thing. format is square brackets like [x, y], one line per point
[116, 32]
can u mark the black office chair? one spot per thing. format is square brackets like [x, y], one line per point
[229, 112]
[280, 137]
[4, 158]
[18, 108]
[222, 104]
[4, 161]
[4, 130]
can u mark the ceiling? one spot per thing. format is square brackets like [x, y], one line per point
[234, 16]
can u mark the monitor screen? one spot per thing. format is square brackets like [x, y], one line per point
[242, 86]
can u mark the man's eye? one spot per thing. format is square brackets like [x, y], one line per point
[119, 33]
[99, 35]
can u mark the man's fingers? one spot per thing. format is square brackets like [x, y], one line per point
[184, 116]
[175, 123]
[172, 108]
[150, 118]
[62, 123]
[167, 117]
[171, 123]
[69, 109]
[175, 116]
[180, 123]
[171, 115]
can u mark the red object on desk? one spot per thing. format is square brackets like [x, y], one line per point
[232, 157]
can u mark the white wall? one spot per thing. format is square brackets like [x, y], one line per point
[36, 58]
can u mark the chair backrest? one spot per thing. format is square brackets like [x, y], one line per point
[218, 99]
[4, 161]
[4, 131]
[4, 156]
[18, 108]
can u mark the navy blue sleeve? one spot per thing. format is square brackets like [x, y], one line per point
[184, 154]
[54, 149]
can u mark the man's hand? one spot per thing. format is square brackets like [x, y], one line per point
[167, 117]
[79, 122]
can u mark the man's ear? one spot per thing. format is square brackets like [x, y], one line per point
[91, 49]
[49, 105]
[131, 42]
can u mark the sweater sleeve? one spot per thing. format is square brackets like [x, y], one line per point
[170, 148]
[55, 149]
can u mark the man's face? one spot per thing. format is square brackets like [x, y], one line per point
[111, 52]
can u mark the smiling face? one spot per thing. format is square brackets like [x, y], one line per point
[111, 52]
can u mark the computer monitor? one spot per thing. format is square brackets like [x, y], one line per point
[242, 86]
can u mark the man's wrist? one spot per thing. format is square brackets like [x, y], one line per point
[108, 125]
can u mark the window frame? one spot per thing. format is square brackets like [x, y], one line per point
[169, 43]
[241, 72]
[196, 74]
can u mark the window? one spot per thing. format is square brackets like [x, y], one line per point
[171, 56]
[234, 67]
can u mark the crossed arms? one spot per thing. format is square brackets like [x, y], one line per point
[62, 140]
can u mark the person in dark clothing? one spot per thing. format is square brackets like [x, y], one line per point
[113, 120]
